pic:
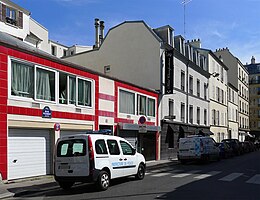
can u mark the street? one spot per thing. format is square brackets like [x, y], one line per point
[234, 178]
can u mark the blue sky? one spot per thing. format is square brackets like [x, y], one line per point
[218, 23]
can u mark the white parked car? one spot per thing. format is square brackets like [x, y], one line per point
[95, 158]
[197, 148]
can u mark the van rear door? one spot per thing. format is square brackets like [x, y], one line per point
[72, 157]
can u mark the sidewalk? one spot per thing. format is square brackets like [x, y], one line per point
[45, 183]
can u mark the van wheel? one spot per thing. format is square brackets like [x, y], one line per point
[66, 185]
[140, 172]
[103, 180]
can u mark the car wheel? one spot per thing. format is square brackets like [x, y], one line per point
[140, 172]
[103, 180]
[66, 185]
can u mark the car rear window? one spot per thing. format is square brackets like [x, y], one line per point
[71, 148]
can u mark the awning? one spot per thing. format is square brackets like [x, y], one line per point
[135, 127]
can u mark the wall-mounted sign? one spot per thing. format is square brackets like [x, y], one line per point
[46, 112]
[169, 72]
[57, 126]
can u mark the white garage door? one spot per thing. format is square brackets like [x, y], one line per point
[73, 132]
[29, 153]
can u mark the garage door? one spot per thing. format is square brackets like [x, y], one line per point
[29, 153]
[72, 132]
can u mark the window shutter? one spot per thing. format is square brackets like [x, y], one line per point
[3, 15]
[20, 19]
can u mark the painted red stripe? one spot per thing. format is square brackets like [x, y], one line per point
[55, 114]
[122, 120]
[106, 113]
[106, 97]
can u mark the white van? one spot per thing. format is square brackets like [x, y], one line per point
[197, 148]
[95, 158]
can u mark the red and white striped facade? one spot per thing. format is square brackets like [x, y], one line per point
[26, 114]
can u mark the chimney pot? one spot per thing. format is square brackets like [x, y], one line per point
[253, 60]
[97, 32]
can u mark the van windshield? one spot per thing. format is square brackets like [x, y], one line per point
[71, 148]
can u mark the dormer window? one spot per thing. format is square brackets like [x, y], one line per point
[11, 16]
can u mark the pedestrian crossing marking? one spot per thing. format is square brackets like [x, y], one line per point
[255, 179]
[181, 175]
[160, 174]
[212, 173]
[231, 177]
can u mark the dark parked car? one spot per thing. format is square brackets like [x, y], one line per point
[225, 150]
[234, 144]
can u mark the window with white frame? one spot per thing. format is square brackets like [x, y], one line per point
[198, 115]
[22, 79]
[205, 116]
[191, 114]
[45, 84]
[191, 85]
[151, 107]
[198, 87]
[40, 83]
[141, 102]
[182, 80]
[126, 102]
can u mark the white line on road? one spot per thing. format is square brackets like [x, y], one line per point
[186, 174]
[231, 177]
[212, 173]
[255, 179]
[160, 174]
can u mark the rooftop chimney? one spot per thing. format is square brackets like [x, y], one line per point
[97, 32]
[102, 27]
[253, 60]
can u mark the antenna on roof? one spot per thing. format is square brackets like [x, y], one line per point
[184, 3]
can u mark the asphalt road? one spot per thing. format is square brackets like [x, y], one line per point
[235, 178]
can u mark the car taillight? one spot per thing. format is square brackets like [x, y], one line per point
[91, 155]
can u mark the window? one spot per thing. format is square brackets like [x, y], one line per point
[191, 84]
[171, 107]
[217, 117]
[100, 147]
[63, 91]
[126, 102]
[84, 92]
[205, 91]
[113, 147]
[214, 117]
[182, 80]
[151, 107]
[205, 117]
[22, 80]
[45, 84]
[191, 114]
[198, 115]
[72, 90]
[71, 148]
[64, 52]
[198, 87]
[182, 112]
[53, 50]
[141, 102]
[126, 148]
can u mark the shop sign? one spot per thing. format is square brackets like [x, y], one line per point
[46, 112]
[169, 72]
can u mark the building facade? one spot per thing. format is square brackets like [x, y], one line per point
[43, 98]
[238, 77]
[143, 53]
[254, 95]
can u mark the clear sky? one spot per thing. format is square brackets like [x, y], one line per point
[218, 23]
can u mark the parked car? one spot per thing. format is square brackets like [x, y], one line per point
[202, 148]
[250, 146]
[234, 144]
[95, 158]
[225, 150]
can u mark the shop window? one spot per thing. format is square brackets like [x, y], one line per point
[84, 92]
[63, 90]
[45, 84]
[22, 80]
[126, 102]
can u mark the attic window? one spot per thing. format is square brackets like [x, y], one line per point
[11, 16]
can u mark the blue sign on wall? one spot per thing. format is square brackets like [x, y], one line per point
[46, 112]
